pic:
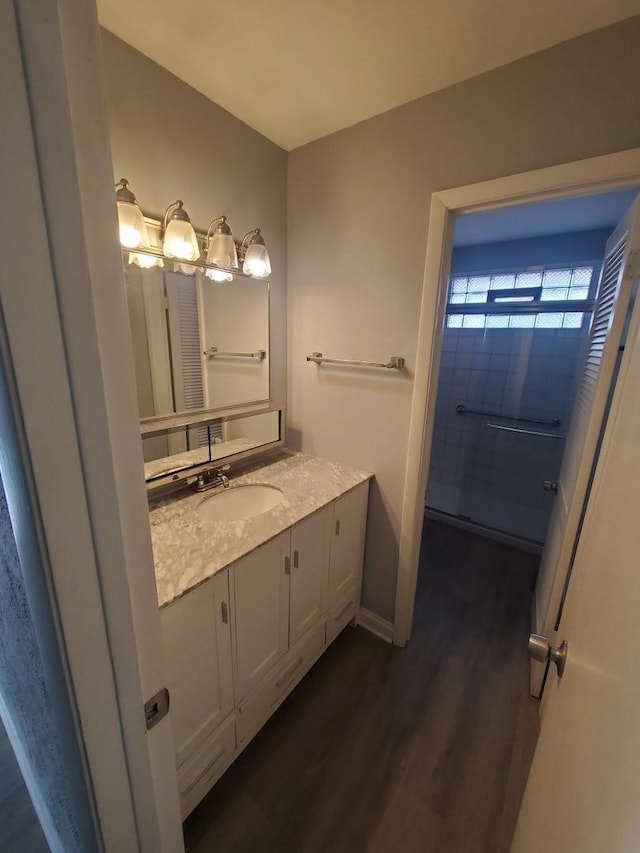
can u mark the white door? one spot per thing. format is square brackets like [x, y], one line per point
[347, 542]
[201, 685]
[66, 339]
[609, 317]
[309, 572]
[583, 789]
[260, 603]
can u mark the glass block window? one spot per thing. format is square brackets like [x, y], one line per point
[567, 285]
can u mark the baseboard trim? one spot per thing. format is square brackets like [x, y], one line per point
[376, 625]
[489, 532]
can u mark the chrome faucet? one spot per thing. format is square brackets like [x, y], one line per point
[212, 478]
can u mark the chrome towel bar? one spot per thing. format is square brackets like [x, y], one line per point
[396, 362]
[538, 433]
[214, 351]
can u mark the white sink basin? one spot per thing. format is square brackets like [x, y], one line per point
[239, 502]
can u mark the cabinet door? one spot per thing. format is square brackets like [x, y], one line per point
[261, 607]
[347, 542]
[197, 649]
[310, 543]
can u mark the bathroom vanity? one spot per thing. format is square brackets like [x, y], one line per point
[249, 605]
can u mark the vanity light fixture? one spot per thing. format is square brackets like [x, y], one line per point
[133, 228]
[133, 231]
[256, 257]
[180, 239]
[221, 250]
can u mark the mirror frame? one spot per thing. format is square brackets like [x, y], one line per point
[181, 478]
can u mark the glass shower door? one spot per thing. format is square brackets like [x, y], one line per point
[512, 352]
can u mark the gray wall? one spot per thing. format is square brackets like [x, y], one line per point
[171, 142]
[358, 220]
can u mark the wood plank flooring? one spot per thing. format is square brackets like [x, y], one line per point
[382, 750]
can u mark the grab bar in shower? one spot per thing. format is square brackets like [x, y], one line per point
[463, 410]
[538, 433]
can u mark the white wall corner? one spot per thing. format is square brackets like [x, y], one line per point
[376, 625]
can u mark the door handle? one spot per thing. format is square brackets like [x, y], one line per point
[550, 486]
[540, 649]
[296, 560]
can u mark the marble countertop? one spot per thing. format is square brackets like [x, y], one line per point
[188, 550]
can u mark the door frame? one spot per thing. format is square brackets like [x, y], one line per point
[67, 353]
[576, 178]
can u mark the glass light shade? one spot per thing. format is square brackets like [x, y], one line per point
[133, 231]
[218, 275]
[145, 262]
[222, 251]
[180, 240]
[185, 269]
[256, 261]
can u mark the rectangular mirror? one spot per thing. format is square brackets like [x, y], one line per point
[198, 344]
[174, 451]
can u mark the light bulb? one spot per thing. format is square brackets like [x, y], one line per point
[133, 231]
[221, 250]
[180, 239]
[185, 269]
[145, 262]
[218, 275]
[256, 261]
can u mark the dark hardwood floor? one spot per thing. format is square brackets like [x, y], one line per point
[424, 749]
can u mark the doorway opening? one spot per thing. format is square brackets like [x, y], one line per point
[570, 180]
[533, 329]
[519, 306]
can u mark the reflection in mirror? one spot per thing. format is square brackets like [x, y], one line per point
[175, 319]
[178, 450]
[235, 337]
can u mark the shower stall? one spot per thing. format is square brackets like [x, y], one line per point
[512, 353]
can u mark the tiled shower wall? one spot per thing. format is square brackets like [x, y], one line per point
[493, 477]
[490, 476]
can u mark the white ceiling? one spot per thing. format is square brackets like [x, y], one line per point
[544, 218]
[296, 70]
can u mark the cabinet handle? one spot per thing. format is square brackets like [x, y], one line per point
[287, 566]
[343, 611]
[296, 559]
[200, 776]
[337, 527]
[288, 673]
[225, 612]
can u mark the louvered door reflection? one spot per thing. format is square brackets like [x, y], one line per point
[186, 350]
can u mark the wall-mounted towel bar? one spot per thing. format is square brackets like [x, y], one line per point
[396, 362]
[462, 410]
[537, 433]
[214, 351]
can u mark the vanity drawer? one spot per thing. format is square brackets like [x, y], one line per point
[342, 613]
[254, 712]
[199, 773]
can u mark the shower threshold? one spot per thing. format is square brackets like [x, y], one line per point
[530, 545]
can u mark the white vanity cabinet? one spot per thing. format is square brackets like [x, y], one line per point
[347, 555]
[260, 596]
[196, 633]
[309, 572]
[237, 645]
